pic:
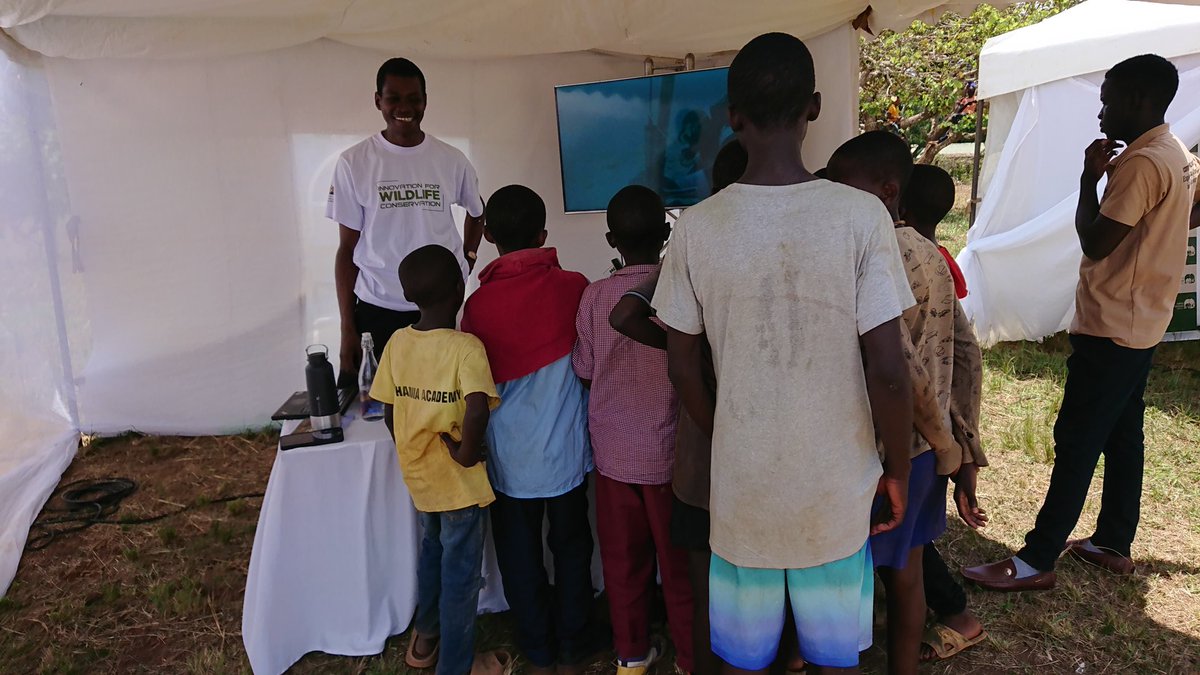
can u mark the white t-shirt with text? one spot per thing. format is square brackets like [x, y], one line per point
[399, 199]
[784, 280]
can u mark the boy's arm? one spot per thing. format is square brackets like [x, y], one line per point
[966, 388]
[631, 316]
[685, 367]
[889, 390]
[469, 451]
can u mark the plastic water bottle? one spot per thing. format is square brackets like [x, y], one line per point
[371, 409]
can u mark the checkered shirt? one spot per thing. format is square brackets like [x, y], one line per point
[633, 408]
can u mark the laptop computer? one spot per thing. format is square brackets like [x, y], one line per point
[296, 406]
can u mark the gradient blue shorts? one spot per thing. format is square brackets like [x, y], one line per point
[832, 605]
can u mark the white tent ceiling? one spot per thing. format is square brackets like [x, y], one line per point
[440, 28]
[1083, 40]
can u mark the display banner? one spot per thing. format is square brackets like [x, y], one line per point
[1184, 324]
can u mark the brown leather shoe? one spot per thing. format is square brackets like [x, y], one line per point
[1113, 562]
[1002, 576]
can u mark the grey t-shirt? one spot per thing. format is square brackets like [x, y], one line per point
[784, 280]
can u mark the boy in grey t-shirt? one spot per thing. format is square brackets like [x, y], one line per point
[799, 286]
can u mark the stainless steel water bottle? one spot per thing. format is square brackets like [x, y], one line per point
[323, 407]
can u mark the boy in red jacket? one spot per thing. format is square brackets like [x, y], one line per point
[524, 313]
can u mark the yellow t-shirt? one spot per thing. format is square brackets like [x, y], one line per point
[426, 376]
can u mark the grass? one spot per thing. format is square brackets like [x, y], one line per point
[1146, 623]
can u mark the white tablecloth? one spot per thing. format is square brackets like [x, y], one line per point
[334, 564]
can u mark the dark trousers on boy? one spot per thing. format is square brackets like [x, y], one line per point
[943, 594]
[634, 524]
[553, 623]
[1102, 412]
[448, 584]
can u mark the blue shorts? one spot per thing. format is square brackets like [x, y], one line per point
[924, 520]
[831, 603]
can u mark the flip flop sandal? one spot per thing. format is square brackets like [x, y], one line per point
[421, 662]
[945, 642]
[495, 662]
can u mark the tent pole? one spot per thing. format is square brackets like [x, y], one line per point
[975, 161]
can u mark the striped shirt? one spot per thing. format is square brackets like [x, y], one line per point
[633, 408]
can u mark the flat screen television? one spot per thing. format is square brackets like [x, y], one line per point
[661, 131]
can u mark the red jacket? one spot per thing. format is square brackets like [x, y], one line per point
[524, 312]
[960, 281]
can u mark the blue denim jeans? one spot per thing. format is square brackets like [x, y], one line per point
[448, 583]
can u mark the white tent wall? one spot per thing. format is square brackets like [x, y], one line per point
[199, 187]
[39, 303]
[1022, 255]
[195, 226]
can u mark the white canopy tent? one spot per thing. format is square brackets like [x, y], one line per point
[163, 253]
[1043, 83]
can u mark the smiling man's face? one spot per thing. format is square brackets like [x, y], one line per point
[402, 102]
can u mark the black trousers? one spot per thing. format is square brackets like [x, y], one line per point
[553, 622]
[1102, 412]
[380, 322]
[943, 594]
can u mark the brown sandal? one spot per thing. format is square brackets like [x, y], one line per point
[945, 642]
[495, 662]
[420, 662]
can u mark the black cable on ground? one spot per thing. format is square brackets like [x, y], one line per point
[92, 502]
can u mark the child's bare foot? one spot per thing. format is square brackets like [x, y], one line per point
[965, 624]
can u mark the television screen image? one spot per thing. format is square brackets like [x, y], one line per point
[661, 131]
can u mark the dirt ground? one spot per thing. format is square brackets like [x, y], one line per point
[157, 597]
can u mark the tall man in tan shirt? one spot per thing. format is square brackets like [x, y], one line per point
[1134, 245]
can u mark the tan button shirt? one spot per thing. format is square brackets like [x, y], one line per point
[929, 326]
[1129, 296]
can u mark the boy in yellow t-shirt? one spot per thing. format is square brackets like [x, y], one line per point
[438, 392]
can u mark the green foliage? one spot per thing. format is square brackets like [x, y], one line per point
[928, 67]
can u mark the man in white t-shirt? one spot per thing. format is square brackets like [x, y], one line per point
[391, 194]
[799, 286]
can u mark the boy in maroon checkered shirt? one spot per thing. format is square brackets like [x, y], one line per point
[632, 414]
